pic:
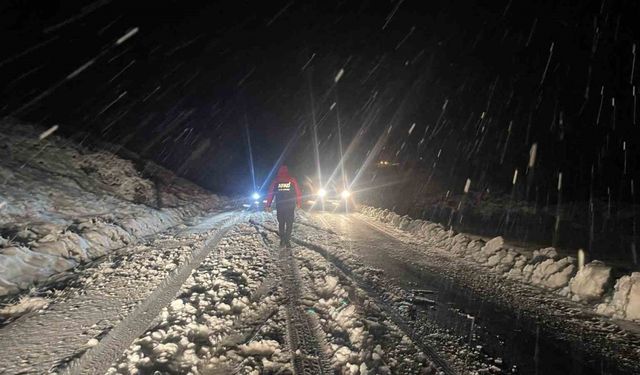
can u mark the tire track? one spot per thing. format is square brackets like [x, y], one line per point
[305, 338]
[398, 320]
[305, 342]
[99, 358]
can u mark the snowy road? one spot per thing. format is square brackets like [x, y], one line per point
[110, 302]
[513, 326]
[216, 297]
[351, 297]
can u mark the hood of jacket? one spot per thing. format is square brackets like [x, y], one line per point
[283, 172]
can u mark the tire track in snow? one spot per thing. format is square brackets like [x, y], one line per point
[99, 358]
[303, 331]
[217, 319]
[304, 339]
[398, 320]
[395, 317]
[100, 296]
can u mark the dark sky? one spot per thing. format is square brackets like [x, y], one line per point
[193, 75]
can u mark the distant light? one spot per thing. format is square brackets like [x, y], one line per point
[322, 193]
[255, 196]
[345, 194]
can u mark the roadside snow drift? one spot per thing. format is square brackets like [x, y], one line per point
[625, 302]
[544, 268]
[62, 204]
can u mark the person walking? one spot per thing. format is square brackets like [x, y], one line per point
[286, 192]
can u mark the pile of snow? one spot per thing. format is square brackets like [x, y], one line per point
[118, 175]
[20, 267]
[625, 302]
[489, 251]
[590, 282]
[544, 268]
[262, 348]
[23, 306]
[62, 204]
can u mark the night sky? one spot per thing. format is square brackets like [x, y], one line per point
[484, 82]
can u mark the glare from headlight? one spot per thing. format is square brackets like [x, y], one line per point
[345, 194]
[255, 196]
[322, 193]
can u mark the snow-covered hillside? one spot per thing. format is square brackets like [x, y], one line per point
[62, 204]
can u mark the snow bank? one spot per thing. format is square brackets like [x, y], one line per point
[544, 268]
[590, 282]
[118, 175]
[23, 306]
[625, 302]
[62, 204]
[20, 267]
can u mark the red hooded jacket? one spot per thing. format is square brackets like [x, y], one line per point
[283, 188]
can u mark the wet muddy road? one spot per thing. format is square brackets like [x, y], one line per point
[516, 342]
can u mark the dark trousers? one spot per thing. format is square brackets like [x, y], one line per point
[285, 217]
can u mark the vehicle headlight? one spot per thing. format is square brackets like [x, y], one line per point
[255, 196]
[345, 194]
[322, 193]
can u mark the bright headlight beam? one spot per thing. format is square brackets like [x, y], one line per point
[255, 196]
[345, 194]
[322, 193]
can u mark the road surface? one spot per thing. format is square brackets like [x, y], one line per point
[352, 296]
[513, 334]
